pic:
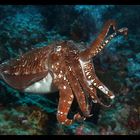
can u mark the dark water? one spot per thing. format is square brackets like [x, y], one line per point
[25, 27]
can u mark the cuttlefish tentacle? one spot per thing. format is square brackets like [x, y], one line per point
[79, 71]
[92, 79]
[95, 46]
[86, 79]
[78, 92]
[89, 70]
[122, 31]
[66, 93]
[65, 101]
[73, 76]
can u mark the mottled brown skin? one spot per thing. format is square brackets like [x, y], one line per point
[28, 68]
[72, 71]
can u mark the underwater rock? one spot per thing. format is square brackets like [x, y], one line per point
[23, 120]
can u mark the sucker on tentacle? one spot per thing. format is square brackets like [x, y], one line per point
[62, 67]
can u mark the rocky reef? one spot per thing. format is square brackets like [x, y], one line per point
[24, 27]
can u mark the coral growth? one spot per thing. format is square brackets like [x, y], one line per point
[23, 120]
